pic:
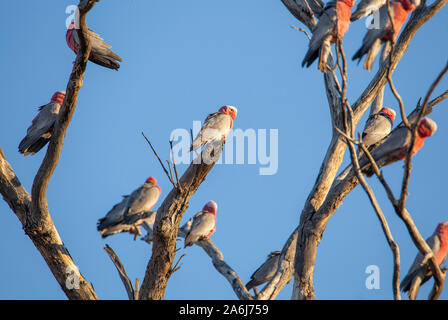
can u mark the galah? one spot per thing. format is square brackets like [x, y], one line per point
[332, 25]
[365, 8]
[216, 127]
[39, 133]
[204, 224]
[396, 146]
[264, 273]
[376, 36]
[142, 200]
[132, 211]
[378, 126]
[100, 52]
[418, 274]
[304, 10]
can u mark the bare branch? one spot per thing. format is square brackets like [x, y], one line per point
[223, 268]
[160, 161]
[175, 167]
[303, 30]
[121, 272]
[168, 219]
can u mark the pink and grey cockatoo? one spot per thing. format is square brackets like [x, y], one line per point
[305, 10]
[396, 146]
[100, 52]
[378, 126]
[418, 274]
[376, 36]
[39, 133]
[204, 224]
[132, 211]
[332, 24]
[265, 272]
[365, 8]
[216, 127]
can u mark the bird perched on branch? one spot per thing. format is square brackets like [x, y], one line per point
[332, 25]
[377, 35]
[365, 8]
[132, 211]
[264, 273]
[39, 132]
[216, 127]
[100, 52]
[378, 126]
[203, 225]
[396, 146]
[418, 274]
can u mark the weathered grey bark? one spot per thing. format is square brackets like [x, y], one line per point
[33, 211]
[169, 215]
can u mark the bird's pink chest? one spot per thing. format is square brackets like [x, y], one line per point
[443, 250]
[71, 41]
[214, 227]
[343, 8]
[419, 142]
[400, 16]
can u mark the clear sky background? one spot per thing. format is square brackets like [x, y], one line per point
[181, 61]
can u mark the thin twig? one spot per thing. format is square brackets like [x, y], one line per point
[121, 271]
[160, 161]
[176, 265]
[179, 187]
[169, 167]
[303, 30]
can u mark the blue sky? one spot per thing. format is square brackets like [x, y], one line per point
[181, 61]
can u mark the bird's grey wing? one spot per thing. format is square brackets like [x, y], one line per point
[213, 126]
[395, 142]
[366, 7]
[202, 224]
[101, 52]
[305, 10]
[377, 30]
[114, 215]
[40, 126]
[416, 269]
[324, 28]
[377, 127]
[141, 199]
